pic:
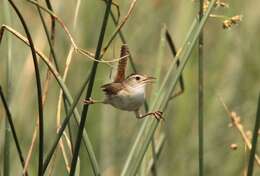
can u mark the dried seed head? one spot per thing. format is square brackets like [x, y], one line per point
[233, 146]
[236, 19]
[205, 6]
[235, 118]
[220, 3]
[226, 24]
[231, 21]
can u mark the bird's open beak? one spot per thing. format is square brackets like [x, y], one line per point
[149, 79]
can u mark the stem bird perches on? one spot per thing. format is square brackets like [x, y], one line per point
[127, 93]
[173, 49]
[158, 149]
[89, 90]
[148, 128]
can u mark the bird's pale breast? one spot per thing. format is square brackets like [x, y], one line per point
[128, 100]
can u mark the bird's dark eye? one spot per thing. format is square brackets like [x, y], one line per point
[137, 78]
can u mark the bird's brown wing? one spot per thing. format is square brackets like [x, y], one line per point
[121, 68]
[112, 88]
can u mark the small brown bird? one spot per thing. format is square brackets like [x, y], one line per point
[128, 93]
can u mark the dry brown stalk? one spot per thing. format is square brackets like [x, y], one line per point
[45, 59]
[236, 121]
[45, 92]
[75, 46]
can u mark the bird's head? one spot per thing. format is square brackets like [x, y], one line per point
[137, 80]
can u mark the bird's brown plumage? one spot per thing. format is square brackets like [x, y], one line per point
[121, 68]
[112, 88]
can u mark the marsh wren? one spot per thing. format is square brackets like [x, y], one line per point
[128, 93]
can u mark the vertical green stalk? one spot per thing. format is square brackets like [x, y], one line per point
[164, 94]
[254, 141]
[10, 122]
[72, 109]
[146, 106]
[38, 84]
[159, 63]
[6, 162]
[200, 93]
[89, 90]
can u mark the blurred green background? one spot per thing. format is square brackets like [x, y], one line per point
[231, 71]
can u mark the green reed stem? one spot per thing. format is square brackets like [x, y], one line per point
[200, 94]
[6, 150]
[39, 92]
[10, 122]
[64, 125]
[89, 90]
[254, 141]
[149, 126]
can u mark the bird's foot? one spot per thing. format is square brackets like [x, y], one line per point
[89, 101]
[158, 115]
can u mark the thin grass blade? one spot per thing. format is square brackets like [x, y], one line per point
[10, 122]
[254, 141]
[148, 127]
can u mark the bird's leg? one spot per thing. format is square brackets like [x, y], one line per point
[156, 114]
[92, 101]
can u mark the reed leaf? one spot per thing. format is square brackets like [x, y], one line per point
[254, 141]
[148, 127]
